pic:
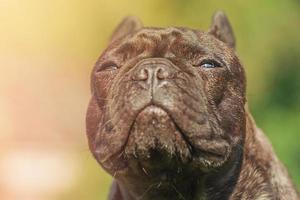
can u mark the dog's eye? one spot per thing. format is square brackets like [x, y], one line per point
[108, 66]
[209, 64]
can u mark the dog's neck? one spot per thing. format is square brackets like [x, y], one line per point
[212, 187]
[255, 165]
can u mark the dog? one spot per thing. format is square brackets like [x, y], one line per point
[168, 118]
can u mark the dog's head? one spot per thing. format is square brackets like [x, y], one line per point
[167, 100]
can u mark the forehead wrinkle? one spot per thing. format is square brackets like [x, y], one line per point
[188, 42]
[155, 42]
[136, 45]
[158, 41]
[148, 35]
[187, 49]
[125, 47]
[157, 35]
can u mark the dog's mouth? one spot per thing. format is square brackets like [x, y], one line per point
[154, 130]
[157, 142]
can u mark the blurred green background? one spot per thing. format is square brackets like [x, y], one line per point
[48, 48]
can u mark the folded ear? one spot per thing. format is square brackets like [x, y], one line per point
[221, 29]
[128, 25]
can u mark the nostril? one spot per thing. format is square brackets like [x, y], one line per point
[141, 75]
[162, 74]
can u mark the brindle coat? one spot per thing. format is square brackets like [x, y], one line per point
[168, 118]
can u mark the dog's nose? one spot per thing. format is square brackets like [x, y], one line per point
[152, 71]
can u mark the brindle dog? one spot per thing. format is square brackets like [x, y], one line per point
[168, 118]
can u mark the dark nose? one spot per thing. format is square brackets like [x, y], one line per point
[153, 70]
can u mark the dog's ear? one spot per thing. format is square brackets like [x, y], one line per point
[128, 25]
[221, 29]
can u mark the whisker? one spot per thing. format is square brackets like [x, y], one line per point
[144, 170]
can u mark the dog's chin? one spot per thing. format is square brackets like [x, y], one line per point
[156, 147]
[156, 144]
[154, 136]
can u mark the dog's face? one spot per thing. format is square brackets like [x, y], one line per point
[167, 101]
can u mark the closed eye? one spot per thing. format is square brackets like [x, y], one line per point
[108, 66]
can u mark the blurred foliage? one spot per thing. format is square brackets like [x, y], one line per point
[278, 111]
[268, 41]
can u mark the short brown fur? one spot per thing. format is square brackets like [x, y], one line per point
[168, 118]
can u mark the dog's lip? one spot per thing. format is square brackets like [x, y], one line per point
[200, 150]
[154, 106]
[193, 151]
